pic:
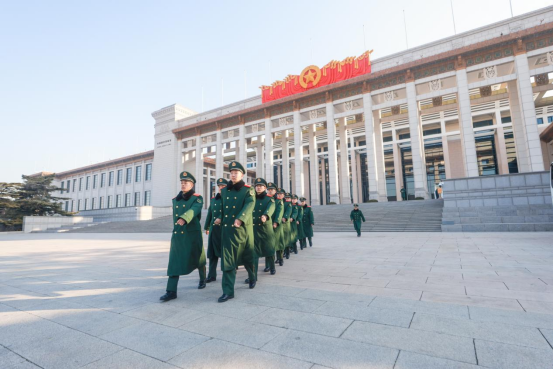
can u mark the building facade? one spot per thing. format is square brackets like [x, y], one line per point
[470, 105]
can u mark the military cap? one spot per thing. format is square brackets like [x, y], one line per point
[287, 194]
[281, 191]
[271, 185]
[222, 182]
[356, 205]
[187, 176]
[234, 165]
[302, 199]
[260, 181]
[295, 197]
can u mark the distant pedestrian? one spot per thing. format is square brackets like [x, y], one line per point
[356, 217]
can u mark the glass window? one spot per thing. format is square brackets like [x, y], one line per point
[87, 187]
[390, 175]
[103, 180]
[147, 198]
[67, 206]
[85, 204]
[81, 184]
[74, 185]
[138, 174]
[120, 177]
[62, 183]
[78, 205]
[435, 131]
[148, 172]
[117, 201]
[550, 119]
[540, 120]
[510, 149]
[68, 186]
[95, 181]
[403, 136]
[101, 202]
[482, 123]
[129, 175]
[93, 203]
[110, 204]
[110, 179]
[485, 155]
[137, 199]
[127, 199]
[72, 205]
[505, 120]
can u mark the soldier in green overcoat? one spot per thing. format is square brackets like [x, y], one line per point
[278, 195]
[294, 225]
[286, 223]
[187, 250]
[237, 246]
[308, 223]
[300, 237]
[264, 235]
[213, 231]
[356, 217]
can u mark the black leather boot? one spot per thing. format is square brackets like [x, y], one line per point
[201, 285]
[225, 298]
[170, 295]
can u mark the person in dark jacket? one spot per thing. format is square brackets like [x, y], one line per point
[356, 217]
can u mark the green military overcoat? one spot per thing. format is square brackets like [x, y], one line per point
[279, 230]
[187, 248]
[214, 238]
[293, 225]
[357, 217]
[237, 244]
[286, 231]
[301, 235]
[308, 221]
[263, 233]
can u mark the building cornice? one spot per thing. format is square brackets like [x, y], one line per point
[126, 159]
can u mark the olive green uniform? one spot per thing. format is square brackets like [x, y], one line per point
[187, 249]
[278, 231]
[214, 238]
[308, 222]
[264, 235]
[299, 222]
[294, 229]
[286, 231]
[237, 246]
[356, 216]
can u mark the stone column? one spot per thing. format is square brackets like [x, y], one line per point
[285, 162]
[354, 191]
[374, 150]
[445, 147]
[314, 166]
[332, 159]
[465, 121]
[298, 151]
[199, 166]
[243, 153]
[345, 196]
[525, 126]
[397, 170]
[269, 174]
[417, 142]
[259, 158]
[382, 194]
[219, 159]
[502, 150]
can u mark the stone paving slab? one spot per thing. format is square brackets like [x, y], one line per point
[420, 300]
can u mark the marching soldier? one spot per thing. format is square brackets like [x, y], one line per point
[308, 223]
[214, 232]
[299, 220]
[278, 195]
[356, 216]
[187, 249]
[264, 235]
[237, 246]
[286, 222]
[294, 225]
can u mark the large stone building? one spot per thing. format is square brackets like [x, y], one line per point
[470, 105]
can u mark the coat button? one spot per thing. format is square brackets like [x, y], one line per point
[175, 232]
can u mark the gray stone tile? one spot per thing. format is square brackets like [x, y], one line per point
[332, 352]
[166, 314]
[125, 359]
[18, 326]
[284, 302]
[428, 343]
[388, 292]
[411, 360]
[448, 310]
[10, 360]
[154, 340]
[233, 330]
[504, 356]
[357, 312]
[482, 301]
[226, 355]
[233, 309]
[535, 320]
[64, 350]
[313, 323]
[336, 297]
[491, 331]
[537, 306]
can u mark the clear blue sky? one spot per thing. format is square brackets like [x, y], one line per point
[79, 81]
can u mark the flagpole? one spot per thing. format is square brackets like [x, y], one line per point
[511, 5]
[405, 24]
[364, 41]
[453, 16]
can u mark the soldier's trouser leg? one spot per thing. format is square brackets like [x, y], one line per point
[201, 272]
[279, 255]
[213, 267]
[172, 283]
[252, 274]
[229, 277]
[270, 262]
[255, 266]
[310, 242]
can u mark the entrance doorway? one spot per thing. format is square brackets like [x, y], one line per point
[407, 171]
[435, 166]
[486, 155]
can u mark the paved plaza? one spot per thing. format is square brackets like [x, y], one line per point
[386, 300]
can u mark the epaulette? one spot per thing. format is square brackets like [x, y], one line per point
[212, 197]
[246, 185]
[269, 195]
[308, 206]
[197, 194]
[174, 198]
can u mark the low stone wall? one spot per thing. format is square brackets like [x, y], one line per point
[130, 213]
[512, 202]
[41, 223]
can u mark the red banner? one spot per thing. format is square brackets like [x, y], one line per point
[313, 77]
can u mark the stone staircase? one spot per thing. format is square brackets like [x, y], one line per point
[408, 216]
[69, 228]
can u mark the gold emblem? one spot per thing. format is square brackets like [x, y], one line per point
[184, 174]
[233, 164]
[311, 74]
